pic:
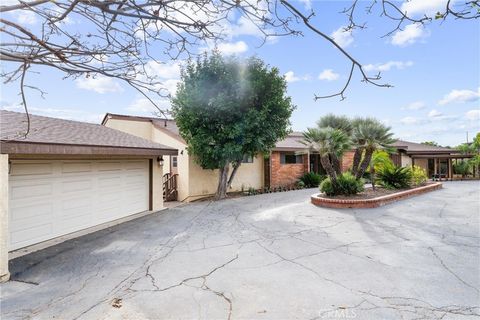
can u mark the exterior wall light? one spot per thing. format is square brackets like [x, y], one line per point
[160, 161]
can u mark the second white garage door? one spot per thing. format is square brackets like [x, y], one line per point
[49, 199]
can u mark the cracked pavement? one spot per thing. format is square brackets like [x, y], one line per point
[273, 256]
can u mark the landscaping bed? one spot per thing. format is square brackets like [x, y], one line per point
[370, 198]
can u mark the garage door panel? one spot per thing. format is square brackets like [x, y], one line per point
[72, 195]
[29, 190]
[29, 169]
[76, 167]
[30, 210]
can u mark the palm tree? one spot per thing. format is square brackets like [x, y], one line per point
[330, 143]
[373, 135]
[359, 140]
[341, 123]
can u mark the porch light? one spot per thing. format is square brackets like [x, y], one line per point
[160, 161]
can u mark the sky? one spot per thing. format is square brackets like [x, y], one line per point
[434, 71]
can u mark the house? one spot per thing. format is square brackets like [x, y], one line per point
[66, 176]
[191, 182]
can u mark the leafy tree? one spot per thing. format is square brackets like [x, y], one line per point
[359, 140]
[380, 160]
[227, 108]
[329, 143]
[374, 135]
[431, 143]
[341, 123]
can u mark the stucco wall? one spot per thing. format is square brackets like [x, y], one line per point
[285, 174]
[406, 160]
[142, 129]
[182, 161]
[157, 186]
[204, 182]
[4, 274]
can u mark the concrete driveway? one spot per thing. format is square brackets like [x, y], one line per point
[272, 256]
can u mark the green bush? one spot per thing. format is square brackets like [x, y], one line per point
[419, 176]
[311, 179]
[327, 187]
[395, 177]
[461, 167]
[347, 185]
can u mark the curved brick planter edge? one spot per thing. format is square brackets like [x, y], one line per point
[373, 202]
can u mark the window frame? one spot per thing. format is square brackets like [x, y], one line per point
[284, 155]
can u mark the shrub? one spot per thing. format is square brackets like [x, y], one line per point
[461, 167]
[300, 184]
[311, 179]
[347, 185]
[395, 177]
[419, 176]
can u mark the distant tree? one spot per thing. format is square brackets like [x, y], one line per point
[431, 143]
[227, 108]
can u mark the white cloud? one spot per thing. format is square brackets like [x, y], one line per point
[342, 38]
[143, 105]
[409, 35]
[460, 96]
[291, 77]
[473, 115]
[99, 84]
[328, 75]
[306, 3]
[417, 105]
[435, 114]
[410, 120]
[421, 7]
[26, 17]
[233, 48]
[163, 70]
[62, 113]
[380, 67]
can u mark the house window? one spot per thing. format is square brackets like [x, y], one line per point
[247, 159]
[290, 158]
[174, 162]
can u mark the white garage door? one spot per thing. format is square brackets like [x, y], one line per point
[53, 198]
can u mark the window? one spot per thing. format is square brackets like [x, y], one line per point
[290, 158]
[247, 159]
[174, 162]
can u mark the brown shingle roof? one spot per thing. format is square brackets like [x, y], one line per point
[46, 130]
[291, 142]
[412, 147]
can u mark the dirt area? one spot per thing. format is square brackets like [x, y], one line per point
[368, 193]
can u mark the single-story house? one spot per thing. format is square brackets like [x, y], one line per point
[66, 176]
[189, 181]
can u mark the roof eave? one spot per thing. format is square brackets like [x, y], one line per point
[18, 147]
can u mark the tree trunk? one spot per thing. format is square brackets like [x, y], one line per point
[364, 165]
[336, 164]
[357, 157]
[327, 165]
[372, 176]
[222, 182]
[234, 171]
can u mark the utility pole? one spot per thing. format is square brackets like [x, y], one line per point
[467, 136]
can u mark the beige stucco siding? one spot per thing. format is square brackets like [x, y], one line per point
[4, 275]
[157, 186]
[140, 129]
[182, 161]
[204, 182]
[406, 160]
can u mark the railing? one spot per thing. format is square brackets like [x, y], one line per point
[170, 192]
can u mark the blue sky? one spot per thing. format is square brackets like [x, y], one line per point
[435, 72]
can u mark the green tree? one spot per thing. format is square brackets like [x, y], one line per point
[431, 143]
[341, 123]
[380, 161]
[359, 141]
[373, 135]
[227, 108]
[330, 143]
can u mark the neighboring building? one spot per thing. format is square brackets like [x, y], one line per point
[66, 176]
[192, 182]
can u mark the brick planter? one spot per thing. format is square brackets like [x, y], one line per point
[373, 202]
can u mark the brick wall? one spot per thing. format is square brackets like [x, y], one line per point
[285, 174]
[347, 160]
